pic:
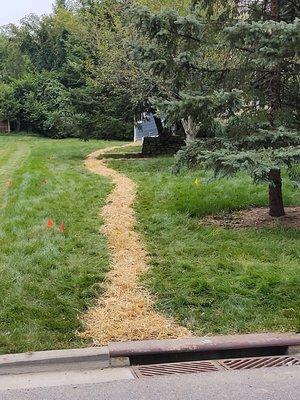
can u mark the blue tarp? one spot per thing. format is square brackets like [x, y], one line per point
[146, 127]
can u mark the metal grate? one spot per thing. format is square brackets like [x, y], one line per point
[176, 368]
[259, 362]
[146, 371]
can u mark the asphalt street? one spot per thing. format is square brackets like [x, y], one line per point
[262, 384]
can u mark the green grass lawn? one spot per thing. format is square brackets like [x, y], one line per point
[215, 280]
[128, 150]
[48, 278]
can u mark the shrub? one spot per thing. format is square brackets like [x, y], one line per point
[238, 126]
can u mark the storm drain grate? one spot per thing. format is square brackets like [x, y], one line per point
[144, 371]
[176, 368]
[259, 362]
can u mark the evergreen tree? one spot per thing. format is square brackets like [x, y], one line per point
[187, 57]
[260, 148]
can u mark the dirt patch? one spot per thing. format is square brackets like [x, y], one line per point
[255, 218]
[126, 311]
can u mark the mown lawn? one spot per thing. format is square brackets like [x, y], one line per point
[215, 280]
[48, 277]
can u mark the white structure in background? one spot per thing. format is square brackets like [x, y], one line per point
[145, 127]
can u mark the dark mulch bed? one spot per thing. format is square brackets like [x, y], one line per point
[254, 218]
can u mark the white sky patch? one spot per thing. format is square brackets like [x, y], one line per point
[11, 11]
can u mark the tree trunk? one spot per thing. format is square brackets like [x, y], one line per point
[275, 94]
[162, 131]
[8, 126]
[178, 128]
[275, 194]
[18, 125]
[191, 128]
[275, 10]
[275, 82]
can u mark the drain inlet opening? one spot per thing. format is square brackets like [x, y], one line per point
[165, 358]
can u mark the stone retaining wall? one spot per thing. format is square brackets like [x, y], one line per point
[155, 146]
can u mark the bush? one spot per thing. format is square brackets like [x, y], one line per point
[47, 107]
[103, 114]
[238, 126]
[187, 157]
[211, 129]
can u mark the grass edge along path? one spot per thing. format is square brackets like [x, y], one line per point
[126, 311]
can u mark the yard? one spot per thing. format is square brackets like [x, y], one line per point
[210, 279]
[48, 277]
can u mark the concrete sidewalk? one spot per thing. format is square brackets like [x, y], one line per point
[281, 383]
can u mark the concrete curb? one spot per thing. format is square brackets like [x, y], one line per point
[54, 360]
[120, 354]
[205, 347]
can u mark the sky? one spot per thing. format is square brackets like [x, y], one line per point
[11, 11]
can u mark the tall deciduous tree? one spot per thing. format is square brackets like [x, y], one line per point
[9, 105]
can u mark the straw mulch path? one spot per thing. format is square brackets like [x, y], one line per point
[126, 310]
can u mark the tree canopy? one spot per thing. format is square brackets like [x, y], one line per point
[261, 136]
[227, 73]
